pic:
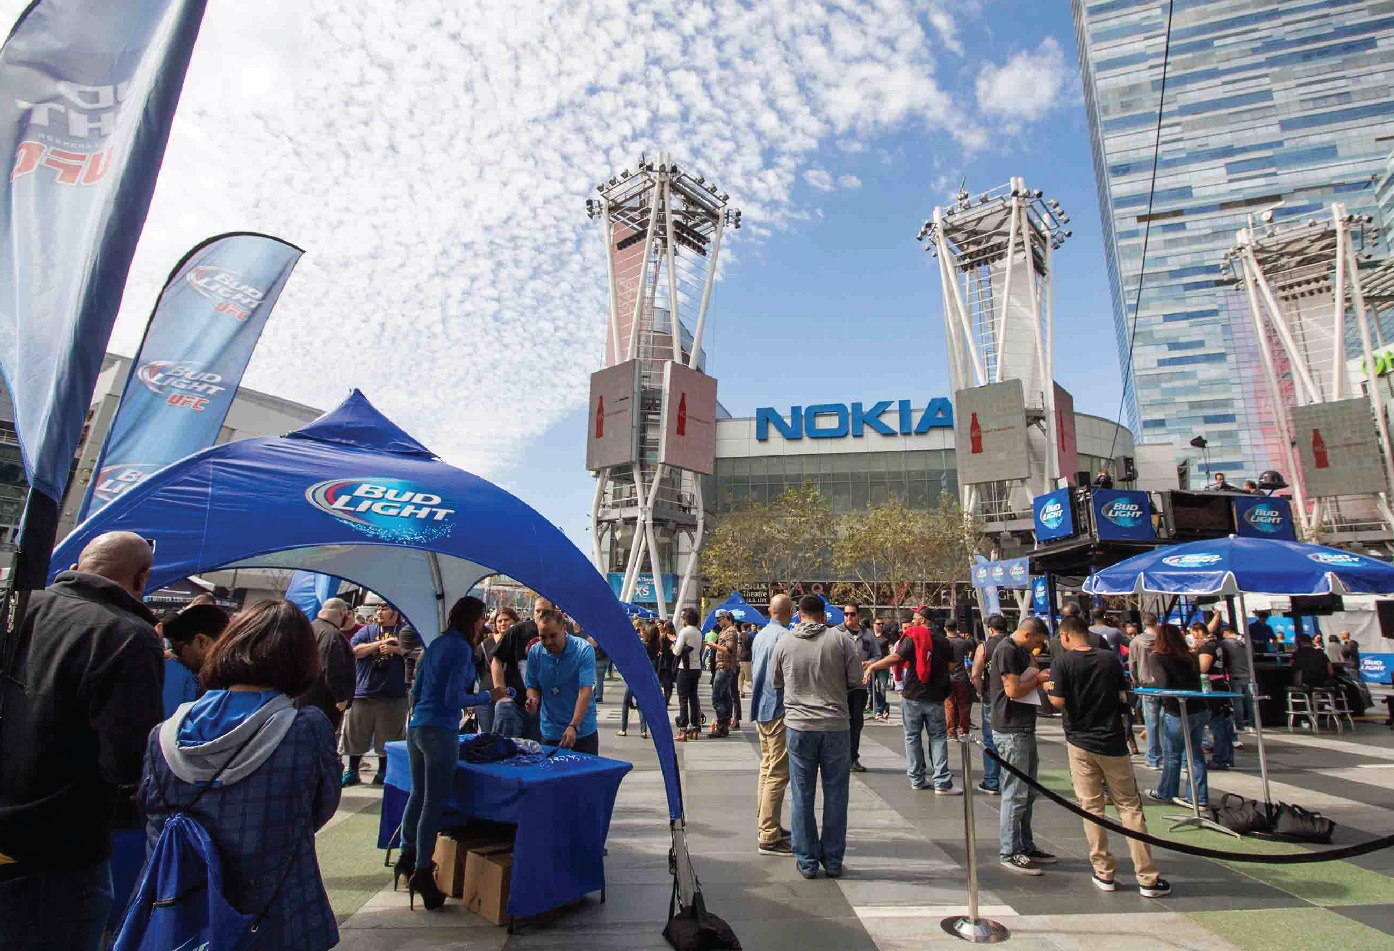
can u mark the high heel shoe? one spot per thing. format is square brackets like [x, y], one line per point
[423, 880]
[406, 864]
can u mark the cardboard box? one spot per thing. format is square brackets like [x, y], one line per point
[452, 851]
[488, 873]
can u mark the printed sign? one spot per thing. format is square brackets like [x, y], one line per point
[612, 426]
[1259, 517]
[1122, 515]
[689, 419]
[990, 442]
[1338, 448]
[1054, 515]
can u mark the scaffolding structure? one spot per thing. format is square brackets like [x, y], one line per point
[1311, 288]
[663, 227]
[994, 253]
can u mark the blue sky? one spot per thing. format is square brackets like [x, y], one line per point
[850, 287]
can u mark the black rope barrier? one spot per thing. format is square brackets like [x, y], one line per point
[1298, 858]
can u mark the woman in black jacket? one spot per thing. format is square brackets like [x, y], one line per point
[653, 643]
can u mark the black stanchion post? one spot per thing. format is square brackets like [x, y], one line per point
[970, 927]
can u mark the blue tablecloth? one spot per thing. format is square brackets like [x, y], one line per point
[562, 808]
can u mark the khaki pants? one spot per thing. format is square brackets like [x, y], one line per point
[744, 680]
[774, 779]
[1089, 772]
[372, 721]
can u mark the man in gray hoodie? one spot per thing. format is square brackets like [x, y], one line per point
[816, 667]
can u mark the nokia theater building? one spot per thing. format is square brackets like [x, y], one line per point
[862, 454]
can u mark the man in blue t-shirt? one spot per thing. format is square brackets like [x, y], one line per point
[560, 681]
[380, 706]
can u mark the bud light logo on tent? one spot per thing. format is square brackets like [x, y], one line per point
[1198, 560]
[1123, 512]
[1265, 517]
[392, 510]
[1052, 514]
[1337, 559]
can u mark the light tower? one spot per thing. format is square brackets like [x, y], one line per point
[1307, 298]
[1014, 427]
[663, 226]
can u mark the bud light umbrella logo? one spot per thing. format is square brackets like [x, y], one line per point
[1052, 514]
[1019, 572]
[1265, 517]
[116, 480]
[1124, 513]
[1198, 560]
[391, 510]
[1337, 559]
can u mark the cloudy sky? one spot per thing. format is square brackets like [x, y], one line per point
[433, 158]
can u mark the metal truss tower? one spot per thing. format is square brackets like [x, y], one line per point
[1310, 288]
[994, 254]
[663, 226]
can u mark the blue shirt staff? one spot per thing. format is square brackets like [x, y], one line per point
[444, 687]
[560, 681]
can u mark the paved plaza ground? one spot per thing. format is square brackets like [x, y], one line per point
[905, 860]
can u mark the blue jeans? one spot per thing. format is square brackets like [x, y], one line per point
[485, 716]
[926, 715]
[1152, 719]
[512, 719]
[603, 667]
[722, 684]
[1243, 709]
[624, 711]
[1222, 729]
[992, 773]
[433, 753]
[1018, 750]
[56, 909]
[880, 681]
[1174, 748]
[811, 753]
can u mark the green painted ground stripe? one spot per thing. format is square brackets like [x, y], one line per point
[350, 862]
[1292, 929]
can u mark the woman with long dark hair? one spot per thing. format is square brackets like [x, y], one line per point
[261, 776]
[445, 681]
[667, 663]
[653, 647]
[1173, 667]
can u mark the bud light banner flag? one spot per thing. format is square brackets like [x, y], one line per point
[87, 96]
[1122, 515]
[1054, 515]
[1260, 517]
[200, 337]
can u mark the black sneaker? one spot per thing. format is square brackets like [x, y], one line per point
[1103, 884]
[987, 792]
[1153, 795]
[781, 847]
[857, 766]
[1158, 889]
[379, 779]
[1041, 858]
[1021, 865]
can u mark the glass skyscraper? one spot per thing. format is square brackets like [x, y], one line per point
[1270, 105]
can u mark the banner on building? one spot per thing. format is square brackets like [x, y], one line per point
[1264, 517]
[643, 588]
[612, 425]
[990, 433]
[198, 342]
[1068, 456]
[1122, 515]
[1338, 448]
[87, 96]
[1007, 573]
[689, 419]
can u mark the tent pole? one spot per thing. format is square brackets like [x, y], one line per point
[1254, 698]
[438, 588]
[683, 871]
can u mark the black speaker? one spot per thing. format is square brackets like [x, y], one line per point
[1084, 478]
[1317, 605]
[1385, 609]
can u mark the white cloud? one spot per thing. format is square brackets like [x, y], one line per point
[849, 182]
[432, 158]
[819, 179]
[1027, 86]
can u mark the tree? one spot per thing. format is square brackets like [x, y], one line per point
[905, 549]
[779, 542]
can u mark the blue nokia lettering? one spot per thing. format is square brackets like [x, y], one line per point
[839, 420]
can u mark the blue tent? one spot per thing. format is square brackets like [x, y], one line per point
[740, 610]
[834, 613]
[353, 496]
[634, 610]
[1238, 565]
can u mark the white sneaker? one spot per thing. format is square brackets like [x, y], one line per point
[1104, 884]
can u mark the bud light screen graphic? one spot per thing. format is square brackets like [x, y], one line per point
[1055, 517]
[87, 97]
[1122, 515]
[1264, 517]
[390, 510]
[200, 338]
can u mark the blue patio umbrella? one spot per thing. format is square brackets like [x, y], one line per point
[740, 610]
[1237, 565]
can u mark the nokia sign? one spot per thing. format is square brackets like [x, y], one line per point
[838, 420]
